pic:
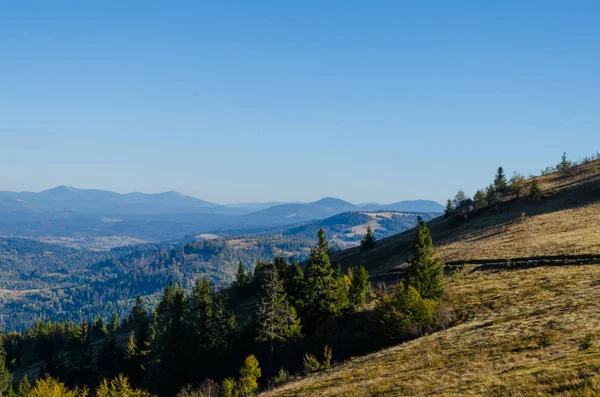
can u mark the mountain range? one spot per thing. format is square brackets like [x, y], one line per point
[70, 212]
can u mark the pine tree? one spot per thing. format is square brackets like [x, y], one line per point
[200, 307]
[5, 375]
[500, 180]
[166, 301]
[141, 322]
[320, 284]
[242, 278]
[172, 348]
[24, 387]
[282, 267]
[480, 199]
[535, 191]
[368, 240]
[294, 285]
[425, 268]
[276, 318]
[249, 375]
[359, 286]
[110, 357]
[449, 207]
[98, 329]
[114, 323]
[84, 368]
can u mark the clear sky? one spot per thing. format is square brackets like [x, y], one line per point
[294, 100]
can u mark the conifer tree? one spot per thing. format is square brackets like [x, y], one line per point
[84, 368]
[368, 240]
[480, 199]
[359, 286]
[110, 357]
[242, 278]
[24, 387]
[249, 375]
[98, 329]
[425, 267]
[166, 301]
[201, 315]
[276, 318]
[449, 208]
[535, 191]
[172, 347]
[500, 180]
[320, 284]
[294, 285]
[5, 375]
[114, 323]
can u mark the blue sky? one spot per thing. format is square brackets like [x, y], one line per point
[282, 100]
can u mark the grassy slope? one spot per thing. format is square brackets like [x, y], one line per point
[526, 325]
[567, 222]
[523, 339]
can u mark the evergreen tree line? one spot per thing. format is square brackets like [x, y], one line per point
[500, 188]
[290, 319]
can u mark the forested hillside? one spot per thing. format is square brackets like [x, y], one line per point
[441, 313]
[85, 289]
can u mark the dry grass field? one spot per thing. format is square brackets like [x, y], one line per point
[523, 339]
[526, 327]
[566, 222]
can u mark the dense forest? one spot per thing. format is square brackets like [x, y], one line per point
[98, 283]
[274, 322]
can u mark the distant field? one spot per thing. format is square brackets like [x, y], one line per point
[523, 338]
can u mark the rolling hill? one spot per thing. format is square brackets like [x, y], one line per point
[525, 272]
[346, 229]
[406, 206]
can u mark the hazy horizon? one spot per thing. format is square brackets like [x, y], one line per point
[277, 202]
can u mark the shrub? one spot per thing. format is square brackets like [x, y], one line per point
[51, 387]
[282, 377]
[405, 312]
[228, 388]
[587, 343]
[311, 364]
[249, 374]
[327, 356]
[119, 387]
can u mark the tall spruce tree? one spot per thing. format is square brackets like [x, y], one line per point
[449, 207]
[242, 277]
[114, 323]
[110, 357]
[172, 347]
[425, 268]
[277, 321]
[294, 285]
[500, 180]
[5, 375]
[359, 286]
[320, 285]
[368, 240]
